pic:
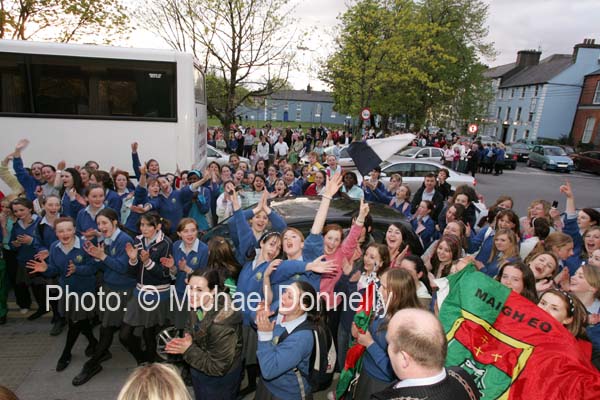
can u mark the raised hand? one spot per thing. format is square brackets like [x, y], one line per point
[168, 262]
[132, 252]
[566, 189]
[320, 266]
[95, 251]
[183, 267]
[263, 324]
[36, 266]
[21, 145]
[61, 165]
[134, 147]
[143, 169]
[42, 255]
[179, 345]
[71, 268]
[144, 256]
[333, 184]
[272, 267]
[363, 210]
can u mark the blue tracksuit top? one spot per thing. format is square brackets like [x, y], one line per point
[46, 234]
[171, 207]
[69, 208]
[427, 234]
[370, 194]
[198, 207]
[84, 278]
[278, 224]
[404, 208]
[26, 252]
[572, 229]
[382, 195]
[279, 360]
[114, 201]
[117, 273]
[28, 182]
[85, 220]
[197, 258]
[140, 197]
[483, 244]
[376, 362]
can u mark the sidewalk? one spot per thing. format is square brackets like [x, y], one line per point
[29, 354]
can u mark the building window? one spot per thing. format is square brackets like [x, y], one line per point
[499, 113]
[501, 94]
[526, 134]
[332, 114]
[530, 117]
[589, 128]
[507, 114]
[496, 131]
[513, 136]
[298, 107]
[518, 117]
[535, 92]
[597, 94]
[286, 106]
[274, 115]
[298, 115]
[512, 93]
[523, 92]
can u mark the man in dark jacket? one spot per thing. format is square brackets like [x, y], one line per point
[418, 353]
[429, 192]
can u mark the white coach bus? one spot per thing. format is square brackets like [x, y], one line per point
[86, 102]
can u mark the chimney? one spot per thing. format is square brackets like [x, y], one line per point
[528, 58]
[586, 44]
[308, 88]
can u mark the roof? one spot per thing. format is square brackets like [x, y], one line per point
[597, 72]
[303, 95]
[497, 72]
[543, 72]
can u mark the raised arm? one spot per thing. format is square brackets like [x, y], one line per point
[135, 159]
[331, 188]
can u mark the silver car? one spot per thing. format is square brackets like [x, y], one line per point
[413, 173]
[419, 153]
[220, 157]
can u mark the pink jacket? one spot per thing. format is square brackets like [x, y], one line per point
[344, 252]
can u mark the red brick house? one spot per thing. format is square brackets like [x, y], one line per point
[586, 125]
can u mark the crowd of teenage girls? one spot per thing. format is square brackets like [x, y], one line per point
[91, 230]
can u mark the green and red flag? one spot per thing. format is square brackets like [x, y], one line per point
[354, 355]
[511, 347]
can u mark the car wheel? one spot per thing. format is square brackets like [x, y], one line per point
[545, 167]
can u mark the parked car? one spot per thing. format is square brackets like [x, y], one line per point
[587, 161]
[345, 161]
[222, 158]
[299, 212]
[421, 153]
[413, 173]
[550, 158]
[568, 149]
[510, 158]
[521, 150]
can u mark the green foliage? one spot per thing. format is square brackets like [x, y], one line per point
[242, 45]
[64, 20]
[413, 58]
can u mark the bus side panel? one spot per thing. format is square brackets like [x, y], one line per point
[200, 145]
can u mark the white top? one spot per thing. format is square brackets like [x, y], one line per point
[431, 380]
[281, 149]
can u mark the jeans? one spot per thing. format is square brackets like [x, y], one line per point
[343, 341]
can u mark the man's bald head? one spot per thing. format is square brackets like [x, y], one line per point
[419, 334]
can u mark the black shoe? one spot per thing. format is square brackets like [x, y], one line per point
[3, 320]
[63, 363]
[58, 327]
[105, 357]
[86, 374]
[91, 348]
[37, 314]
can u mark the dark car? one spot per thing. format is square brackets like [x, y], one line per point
[521, 150]
[587, 161]
[300, 212]
[510, 158]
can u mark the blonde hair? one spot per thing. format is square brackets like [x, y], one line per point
[513, 250]
[154, 382]
[592, 276]
[557, 239]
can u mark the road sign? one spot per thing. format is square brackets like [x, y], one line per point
[365, 114]
[473, 128]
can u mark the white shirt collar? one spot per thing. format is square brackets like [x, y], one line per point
[595, 307]
[290, 325]
[76, 245]
[34, 218]
[431, 380]
[194, 246]
[88, 210]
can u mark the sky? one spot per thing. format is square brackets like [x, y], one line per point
[554, 26]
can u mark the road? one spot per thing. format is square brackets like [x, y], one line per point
[526, 184]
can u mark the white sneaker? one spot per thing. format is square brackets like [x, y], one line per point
[24, 310]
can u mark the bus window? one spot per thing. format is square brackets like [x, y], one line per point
[199, 91]
[13, 87]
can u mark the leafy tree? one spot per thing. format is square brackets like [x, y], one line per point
[242, 45]
[63, 20]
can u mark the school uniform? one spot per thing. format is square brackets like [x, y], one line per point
[482, 244]
[572, 229]
[28, 182]
[370, 194]
[199, 208]
[126, 202]
[47, 238]
[426, 235]
[68, 207]
[196, 258]
[86, 219]
[153, 282]
[83, 280]
[278, 224]
[404, 207]
[171, 207]
[26, 252]
[140, 197]
[383, 195]
[377, 372]
[113, 200]
[280, 361]
[117, 278]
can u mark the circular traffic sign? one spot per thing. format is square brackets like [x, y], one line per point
[365, 114]
[473, 128]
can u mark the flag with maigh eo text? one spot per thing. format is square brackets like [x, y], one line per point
[511, 347]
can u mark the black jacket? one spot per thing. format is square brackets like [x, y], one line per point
[438, 202]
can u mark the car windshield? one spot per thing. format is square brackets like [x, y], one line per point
[554, 151]
[409, 152]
